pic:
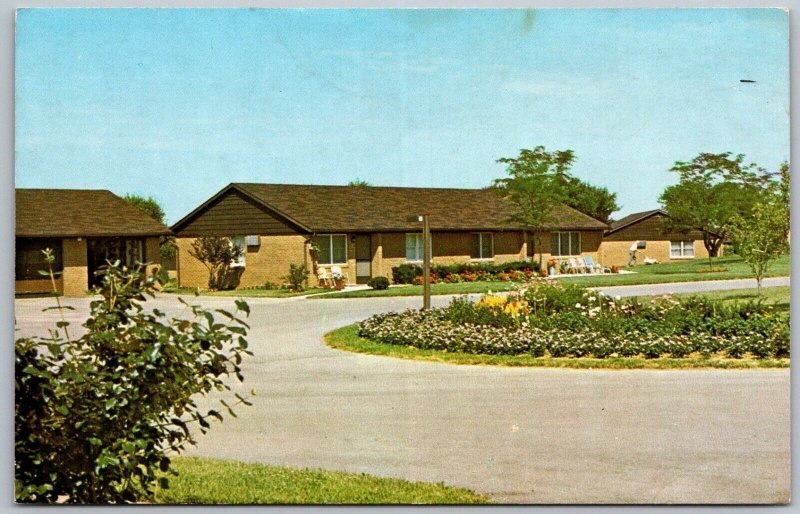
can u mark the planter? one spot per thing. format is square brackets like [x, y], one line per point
[339, 284]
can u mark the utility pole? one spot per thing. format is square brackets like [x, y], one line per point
[426, 263]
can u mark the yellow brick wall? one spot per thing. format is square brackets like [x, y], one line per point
[75, 276]
[615, 253]
[267, 262]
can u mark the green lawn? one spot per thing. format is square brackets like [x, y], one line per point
[688, 271]
[245, 293]
[346, 338]
[211, 481]
[777, 296]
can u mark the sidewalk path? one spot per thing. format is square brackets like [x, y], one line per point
[690, 287]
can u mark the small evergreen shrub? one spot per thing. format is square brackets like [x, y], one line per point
[378, 283]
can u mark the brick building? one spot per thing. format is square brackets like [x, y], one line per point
[84, 228]
[366, 230]
[647, 229]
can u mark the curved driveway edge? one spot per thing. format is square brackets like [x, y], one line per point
[521, 435]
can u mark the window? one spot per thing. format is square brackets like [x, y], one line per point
[482, 246]
[565, 243]
[681, 249]
[332, 249]
[30, 259]
[414, 247]
[238, 241]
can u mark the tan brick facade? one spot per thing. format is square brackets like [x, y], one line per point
[615, 248]
[267, 262]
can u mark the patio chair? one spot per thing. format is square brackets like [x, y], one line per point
[325, 278]
[594, 267]
[576, 266]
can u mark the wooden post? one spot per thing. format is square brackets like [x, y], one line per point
[426, 263]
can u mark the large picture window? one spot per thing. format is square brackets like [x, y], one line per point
[414, 247]
[565, 243]
[332, 248]
[482, 246]
[681, 249]
[30, 259]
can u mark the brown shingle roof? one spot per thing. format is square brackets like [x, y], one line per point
[80, 213]
[373, 209]
[630, 219]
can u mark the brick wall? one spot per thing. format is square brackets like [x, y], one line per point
[267, 262]
[75, 276]
[615, 253]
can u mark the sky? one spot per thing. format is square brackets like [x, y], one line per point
[175, 104]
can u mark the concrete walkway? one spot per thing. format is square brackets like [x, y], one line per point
[521, 435]
[691, 287]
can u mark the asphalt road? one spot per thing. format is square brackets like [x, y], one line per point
[520, 435]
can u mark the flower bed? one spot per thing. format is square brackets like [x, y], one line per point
[466, 272]
[569, 321]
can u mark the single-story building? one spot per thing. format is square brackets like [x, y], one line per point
[645, 230]
[366, 230]
[84, 228]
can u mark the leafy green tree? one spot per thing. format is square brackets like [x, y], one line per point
[358, 183]
[216, 254]
[712, 191]
[97, 417]
[593, 201]
[534, 188]
[151, 207]
[761, 237]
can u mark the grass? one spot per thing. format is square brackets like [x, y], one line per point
[436, 289]
[688, 271]
[777, 296]
[245, 293]
[212, 481]
[346, 338]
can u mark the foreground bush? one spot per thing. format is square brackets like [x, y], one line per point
[96, 415]
[538, 321]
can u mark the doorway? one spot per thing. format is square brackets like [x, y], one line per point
[363, 258]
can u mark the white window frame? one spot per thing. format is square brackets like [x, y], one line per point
[330, 249]
[418, 246]
[481, 241]
[238, 241]
[569, 244]
[682, 252]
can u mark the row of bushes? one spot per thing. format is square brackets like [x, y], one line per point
[568, 320]
[409, 273]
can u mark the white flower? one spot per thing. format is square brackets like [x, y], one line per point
[577, 305]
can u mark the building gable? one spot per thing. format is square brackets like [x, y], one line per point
[649, 228]
[233, 213]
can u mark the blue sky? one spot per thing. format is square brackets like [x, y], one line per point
[178, 103]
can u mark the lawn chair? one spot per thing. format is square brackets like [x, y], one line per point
[576, 266]
[325, 277]
[336, 271]
[594, 267]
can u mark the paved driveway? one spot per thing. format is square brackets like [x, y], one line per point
[521, 435]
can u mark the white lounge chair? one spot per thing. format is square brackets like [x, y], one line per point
[594, 267]
[325, 277]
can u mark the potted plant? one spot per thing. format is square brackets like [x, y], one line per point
[614, 268]
[338, 280]
[551, 265]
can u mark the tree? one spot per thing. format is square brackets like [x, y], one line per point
[98, 417]
[358, 183]
[167, 247]
[761, 237]
[593, 201]
[533, 188]
[713, 189]
[147, 205]
[216, 254]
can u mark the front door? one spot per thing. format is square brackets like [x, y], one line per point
[363, 258]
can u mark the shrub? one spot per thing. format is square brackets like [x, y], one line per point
[216, 254]
[405, 273]
[298, 273]
[378, 283]
[97, 416]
